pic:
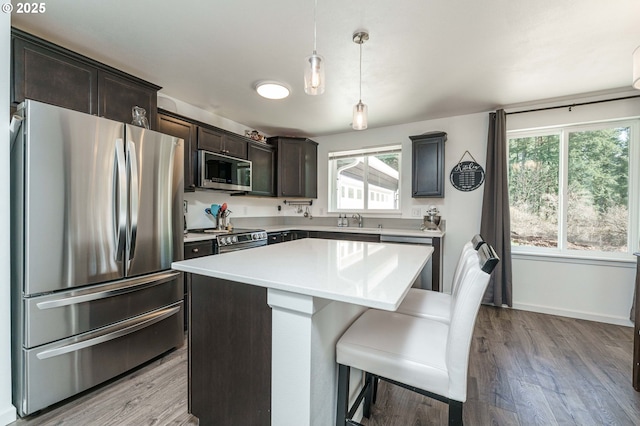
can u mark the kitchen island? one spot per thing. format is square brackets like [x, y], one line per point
[264, 323]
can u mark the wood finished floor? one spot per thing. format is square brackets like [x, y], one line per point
[525, 369]
[532, 369]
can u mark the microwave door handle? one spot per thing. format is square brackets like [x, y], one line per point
[120, 200]
[134, 197]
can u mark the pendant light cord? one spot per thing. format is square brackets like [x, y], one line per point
[360, 101]
[315, 12]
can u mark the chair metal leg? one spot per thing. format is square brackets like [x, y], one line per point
[343, 395]
[368, 381]
[455, 413]
[375, 390]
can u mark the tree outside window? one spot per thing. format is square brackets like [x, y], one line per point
[569, 188]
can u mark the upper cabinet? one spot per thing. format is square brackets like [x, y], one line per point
[217, 140]
[427, 171]
[263, 160]
[49, 73]
[177, 126]
[297, 165]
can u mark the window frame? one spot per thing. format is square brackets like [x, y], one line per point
[633, 228]
[332, 188]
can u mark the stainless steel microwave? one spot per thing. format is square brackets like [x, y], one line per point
[217, 171]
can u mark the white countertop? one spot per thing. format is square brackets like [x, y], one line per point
[375, 275]
[353, 229]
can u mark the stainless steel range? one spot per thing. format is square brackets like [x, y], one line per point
[237, 239]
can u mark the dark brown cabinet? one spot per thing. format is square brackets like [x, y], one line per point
[192, 250]
[346, 236]
[427, 171]
[174, 126]
[215, 140]
[118, 95]
[49, 73]
[43, 75]
[297, 165]
[229, 353]
[263, 160]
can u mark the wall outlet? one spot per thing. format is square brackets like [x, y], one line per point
[244, 210]
[185, 206]
[415, 212]
[321, 211]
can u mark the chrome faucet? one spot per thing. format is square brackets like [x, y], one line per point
[359, 217]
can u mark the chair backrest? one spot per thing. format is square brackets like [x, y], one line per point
[463, 261]
[477, 241]
[463, 318]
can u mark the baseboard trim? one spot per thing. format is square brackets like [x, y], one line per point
[574, 314]
[7, 415]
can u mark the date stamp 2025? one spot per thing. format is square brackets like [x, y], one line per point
[31, 8]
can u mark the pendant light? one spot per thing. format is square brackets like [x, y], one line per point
[314, 71]
[360, 110]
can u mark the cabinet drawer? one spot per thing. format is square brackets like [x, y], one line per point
[198, 249]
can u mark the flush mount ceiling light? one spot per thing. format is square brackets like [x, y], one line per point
[636, 68]
[314, 68]
[272, 90]
[360, 110]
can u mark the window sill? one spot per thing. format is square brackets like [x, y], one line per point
[621, 261]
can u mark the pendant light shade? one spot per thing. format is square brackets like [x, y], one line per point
[360, 110]
[636, 68]
[314, 75]
[314, 68]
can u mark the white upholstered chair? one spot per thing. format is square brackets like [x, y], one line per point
[420, 354]
[435, 305]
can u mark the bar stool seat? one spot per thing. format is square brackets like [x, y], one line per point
[408, 349]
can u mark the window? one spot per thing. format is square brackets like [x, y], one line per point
[569, 188]
[371, 178]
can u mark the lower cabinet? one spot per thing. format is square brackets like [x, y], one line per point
[192, 250]
[229, 353]
[349, 236]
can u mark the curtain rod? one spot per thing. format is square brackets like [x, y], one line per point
[574, 105]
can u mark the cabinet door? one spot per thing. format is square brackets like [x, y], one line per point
[47, 76]
[235, 146]
[290, 168]
[428, 167]
[311, 169]
[262, 159]
[117, 96]
[210, 140]
[187, 131]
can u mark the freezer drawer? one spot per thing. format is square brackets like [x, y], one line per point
[61, 315]
[59, 370]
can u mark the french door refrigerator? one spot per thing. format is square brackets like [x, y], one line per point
[96, 222]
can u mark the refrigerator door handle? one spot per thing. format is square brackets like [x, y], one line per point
[120, 205]
[134, 196]
[132, 327]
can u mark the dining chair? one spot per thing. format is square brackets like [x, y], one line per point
[423, 355]
[433, 304]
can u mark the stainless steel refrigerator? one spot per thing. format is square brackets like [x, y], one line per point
[96, 222]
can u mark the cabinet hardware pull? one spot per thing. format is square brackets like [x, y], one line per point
[195, 250]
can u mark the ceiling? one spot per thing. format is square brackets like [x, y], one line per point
[425, 59]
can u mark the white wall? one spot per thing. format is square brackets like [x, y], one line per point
[7, 411]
